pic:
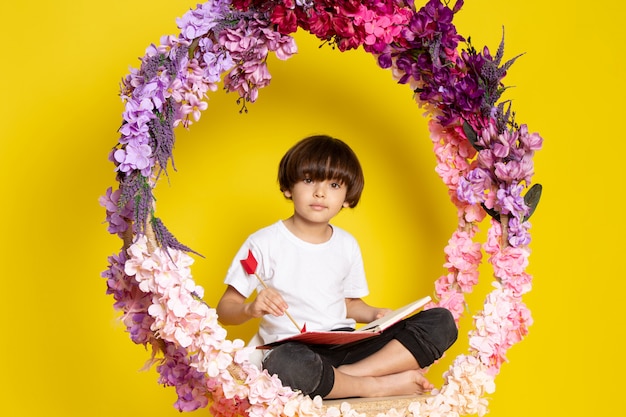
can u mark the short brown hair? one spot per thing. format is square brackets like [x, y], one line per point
[322, 158]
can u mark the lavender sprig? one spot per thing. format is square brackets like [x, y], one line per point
[143, 209]
[162, 137]
[166, 239]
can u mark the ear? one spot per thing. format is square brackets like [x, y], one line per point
[287, 194]
[346, 204]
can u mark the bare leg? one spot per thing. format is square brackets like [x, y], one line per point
[391, 359]
[391, 371]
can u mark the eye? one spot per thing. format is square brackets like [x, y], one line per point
[336, 185]
[307, 180]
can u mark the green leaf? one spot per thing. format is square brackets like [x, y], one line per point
[532, 198]
[491, 212]
[471, 135]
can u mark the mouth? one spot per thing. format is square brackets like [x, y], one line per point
[317, 207]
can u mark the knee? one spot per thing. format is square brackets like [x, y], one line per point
[285, 358]
[444, 327]
[297, 366]
[429, 334]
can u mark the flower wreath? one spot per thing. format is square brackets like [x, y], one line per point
[483, 156]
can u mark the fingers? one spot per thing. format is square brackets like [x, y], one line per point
[382, 312]
[269, 301]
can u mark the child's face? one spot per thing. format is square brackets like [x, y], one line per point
[318, 201]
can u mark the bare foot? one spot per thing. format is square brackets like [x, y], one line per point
[410, 382]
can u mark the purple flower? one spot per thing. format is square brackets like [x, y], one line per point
[130, 300]
[134, 157]
[217, 61]
[472, 189]
[510, 200]
[249, 44]
[137, 114]
[199, 21]
[118, 224]
[116, 217]
[384, 60]
[518, 232]
[138, 325]
[156, 90]
[191, 385]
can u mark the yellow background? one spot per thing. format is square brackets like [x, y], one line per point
[61, 349]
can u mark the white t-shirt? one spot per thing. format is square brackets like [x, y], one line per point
[314, 279]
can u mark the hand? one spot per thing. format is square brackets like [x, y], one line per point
[267, 301]
[380, 312]
[362, 312]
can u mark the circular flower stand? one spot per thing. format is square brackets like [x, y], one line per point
[484, 157]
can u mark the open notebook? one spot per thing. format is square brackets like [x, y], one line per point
[343, 337]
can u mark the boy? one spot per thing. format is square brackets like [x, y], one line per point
[316, 271]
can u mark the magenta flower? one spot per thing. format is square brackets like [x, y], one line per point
[285, 18]
[382, 28]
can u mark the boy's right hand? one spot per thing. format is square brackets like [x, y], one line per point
[267, 301]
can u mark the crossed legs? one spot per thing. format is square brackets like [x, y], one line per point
[385, 365]
[390, 371]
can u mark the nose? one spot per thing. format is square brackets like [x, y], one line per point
[319, 190]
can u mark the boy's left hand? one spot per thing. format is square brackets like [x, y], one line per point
[380, 312]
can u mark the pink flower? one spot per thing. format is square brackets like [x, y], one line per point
[518, 284]
[285, 48]
[510, 262]
[382, 30]
[193, 105]
[264, 388]
[531, 141]
[302, 406]
[176, 90]
[473, 213]
[466, 382]
[464, 256]
[502, 323]
[183, 338]
[453, 301]
[224, 405]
